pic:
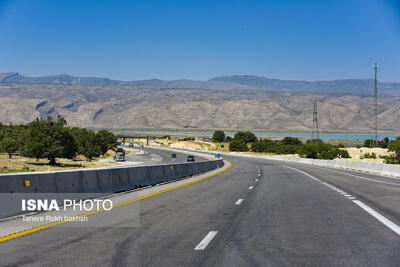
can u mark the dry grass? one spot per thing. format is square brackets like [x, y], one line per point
[197, 145]
[356, 153]
[23, 164]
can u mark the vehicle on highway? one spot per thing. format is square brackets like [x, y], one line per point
[121, 150]
[190, 158]
[119, 156]
[173, 155]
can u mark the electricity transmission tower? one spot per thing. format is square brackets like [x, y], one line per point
[315, 132]
[376, 103]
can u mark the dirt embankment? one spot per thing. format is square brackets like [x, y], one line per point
[197, 145]
[359, 154]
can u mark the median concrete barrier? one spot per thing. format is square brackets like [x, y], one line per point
[78, 184]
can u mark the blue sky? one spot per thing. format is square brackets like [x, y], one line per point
[131, 40]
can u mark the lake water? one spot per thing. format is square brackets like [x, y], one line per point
[335, 136]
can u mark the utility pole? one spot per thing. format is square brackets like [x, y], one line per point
[315, 132]
[376, 103]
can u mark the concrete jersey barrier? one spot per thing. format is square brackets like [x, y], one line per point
[392, 170]
[90, 183]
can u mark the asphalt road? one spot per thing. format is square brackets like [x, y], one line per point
[257, 213]
[156, 156]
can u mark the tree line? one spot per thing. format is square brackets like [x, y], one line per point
[316, 149]
[52, 138]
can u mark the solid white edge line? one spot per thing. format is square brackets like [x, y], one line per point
[394, 227]
[206, 240]
[368, 179]
[239, 201]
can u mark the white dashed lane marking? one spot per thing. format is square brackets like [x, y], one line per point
[239, 201]
[206, 240]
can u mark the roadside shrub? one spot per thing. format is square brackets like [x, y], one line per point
[228, 139]
[265, 145]
[384, 143]
[187, 139]
[392, 159]
[291, 141]
[394, 146]
[368, 156]
[238, 145]
[369, 143]
[317, 149]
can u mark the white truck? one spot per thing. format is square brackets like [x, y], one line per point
[120, 155]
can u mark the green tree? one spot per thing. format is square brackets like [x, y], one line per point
[49, 139]
[317, 149]
[246, 137]
[394, 146]
[228, 139]
[87, 143]
[369, 143]
[265, 145]
[291, 141]
[310, 149]
[107, 140]
[218, 136]
[384, 143]
[238, 145]
[9, 145]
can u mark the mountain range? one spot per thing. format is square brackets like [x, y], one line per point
[228, 102]
[233, 82]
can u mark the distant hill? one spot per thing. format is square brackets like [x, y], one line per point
[116, 106]
[349, 86]
[227, 102]
[234, 82]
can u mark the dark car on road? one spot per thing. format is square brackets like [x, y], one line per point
[173, 155]
[190, 158]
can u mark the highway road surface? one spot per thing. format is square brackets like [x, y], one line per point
[255, 213]
[156, 156]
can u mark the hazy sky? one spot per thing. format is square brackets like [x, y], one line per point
[130, 40]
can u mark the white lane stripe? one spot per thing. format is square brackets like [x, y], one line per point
[239, 201]
[394, 227]
[206, 240]
[364, 178]
[347, 195]
[251, 187]
[352, 198]
[256, 180]
[259, 174]
[379, 217]
[309, 175]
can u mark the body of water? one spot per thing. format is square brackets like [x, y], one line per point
[334, 136]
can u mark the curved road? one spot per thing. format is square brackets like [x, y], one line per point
[156, 156]
[257, 213]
